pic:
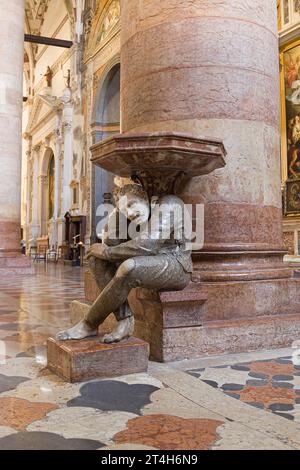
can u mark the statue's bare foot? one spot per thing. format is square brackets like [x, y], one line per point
[79, 331]
[123, 330]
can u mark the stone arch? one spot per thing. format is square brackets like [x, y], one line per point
[106, 122]
[109, 82]
[44, 189]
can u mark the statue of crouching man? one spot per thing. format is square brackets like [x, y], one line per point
[156, 256]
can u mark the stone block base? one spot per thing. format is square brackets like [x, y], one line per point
[155, 313]
[158, 313]
[79, 361]
[231, 336]
[17, 265]
[215, 317]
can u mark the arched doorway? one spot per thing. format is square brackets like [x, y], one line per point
[51, 187]
[47, 192]
[106, 123]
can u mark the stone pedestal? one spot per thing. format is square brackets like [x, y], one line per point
[79, 361]
[195, 322]
[160, 318]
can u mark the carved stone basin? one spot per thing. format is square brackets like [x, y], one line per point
[159, 155]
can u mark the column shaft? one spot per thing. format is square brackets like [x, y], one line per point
[11, 97]
[210, 68]
[11, 103]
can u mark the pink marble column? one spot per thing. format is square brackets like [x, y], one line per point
[211, 69]
[11, 99]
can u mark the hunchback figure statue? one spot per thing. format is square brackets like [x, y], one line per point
[156, 256]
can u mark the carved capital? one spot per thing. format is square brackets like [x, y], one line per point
[46, 142]
[67, 126]
[27, 136]
[37, 148]
[29, 155]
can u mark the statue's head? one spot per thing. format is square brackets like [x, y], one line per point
[132, 200]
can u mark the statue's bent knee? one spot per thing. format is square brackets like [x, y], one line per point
[126, 268]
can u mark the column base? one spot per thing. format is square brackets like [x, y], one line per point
[231, 336]
[215, 318]
[15, 264]
[240, 265]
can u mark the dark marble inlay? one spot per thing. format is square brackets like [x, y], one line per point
[193, 374]
[263, 360]
[111, 395]
[240, 367]
[46, 441]
[232, 387]
[258, 375]
[286, 415]
[281, 407]
[211, 383]
[233, 395]
[10, 382]
[283, 360]
[279, 378]
[256, 405]
[257, 383]
[282, 385]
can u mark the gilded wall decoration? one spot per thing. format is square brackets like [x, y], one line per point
[110, 19]
[291, 62]
[297, 5]
[292, 197]
[290, 98]
[51, 184]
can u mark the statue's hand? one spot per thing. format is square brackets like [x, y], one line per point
[96, 251]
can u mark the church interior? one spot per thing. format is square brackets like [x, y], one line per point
[197, 99]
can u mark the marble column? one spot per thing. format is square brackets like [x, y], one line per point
[28, 187]
[210, 68]
[35, 220]
[11, 99]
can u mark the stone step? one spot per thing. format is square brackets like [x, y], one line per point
[87, 359]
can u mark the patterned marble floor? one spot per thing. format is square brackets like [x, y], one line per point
[248, 401]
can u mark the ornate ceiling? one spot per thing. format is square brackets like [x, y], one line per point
[35, 11]
[34, 15]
